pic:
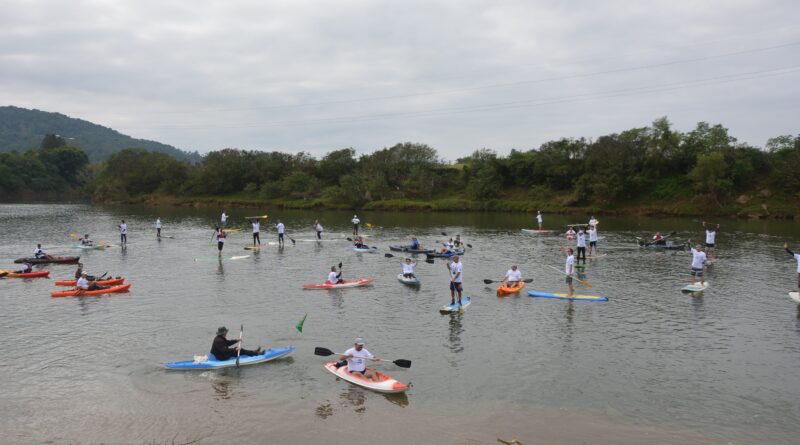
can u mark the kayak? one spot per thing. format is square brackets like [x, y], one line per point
[364, 250]
[81, 293]
[668, 246]
[408, 281]
[560, 296]
[537, 231]
[696, 287]
[795, 296]
[385, 384]
[12, 274]
[409, 249]
[55, 259]
[340, 285]
[450, 308]
[94, 246]
[445, 255]
[108, 282]
[212, 363]
[502, 291]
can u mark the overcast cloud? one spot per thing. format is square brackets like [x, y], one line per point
[458, 75]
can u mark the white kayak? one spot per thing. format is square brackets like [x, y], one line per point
[795, 296]
[696, 287]
[385, 384]
[408, 281]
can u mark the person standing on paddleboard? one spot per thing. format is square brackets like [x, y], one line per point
[797, 257]
[219, 232]
[513, 277]
[456, 267]
[593, 221]
[355, 222]
[711, 237]
[281, 229]
[123, 233]
[221, 351]
[223, 220]
[698, 263]
[593, 240]
[539, 218]
[569, 270]
[581, 244]
[256, 229]
[318, 228]
[333, 277]
[356, 358]
[158, 228]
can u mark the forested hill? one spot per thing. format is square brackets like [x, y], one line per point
[21, 129]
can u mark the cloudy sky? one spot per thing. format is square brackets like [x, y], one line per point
[458, 75]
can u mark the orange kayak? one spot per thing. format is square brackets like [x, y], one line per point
[502, 291]
[81, 293]
[11, 274]
[109, 282]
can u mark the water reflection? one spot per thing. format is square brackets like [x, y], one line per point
[455, 331]
[354, 397]
[220, 269]
[324, 410]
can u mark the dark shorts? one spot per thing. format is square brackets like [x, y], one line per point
[455, 286]
[358, 372]
[220, 245]
[697, 272]
[710, 245]
[280, 236]
[592, 243]
[568, 279]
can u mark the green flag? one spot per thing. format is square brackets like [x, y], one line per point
[300, 323]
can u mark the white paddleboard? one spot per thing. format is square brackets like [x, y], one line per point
[696, 287]
[795, 296]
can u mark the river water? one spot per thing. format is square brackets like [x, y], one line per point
[652, 365]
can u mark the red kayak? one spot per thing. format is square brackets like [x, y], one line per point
[12, 274]
[81, 293]
[340, 285]
[108, 282]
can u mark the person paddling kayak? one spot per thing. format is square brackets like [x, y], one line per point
[221, 351]
[797, 257]
[359, 243]
[457, 243]
[219, 232]
[711, 236]
[333, 277]
[80, 272]
[513, 277]
[456, 267]
[123, 232]
[26, 268]
[84, 283]
[415, 245]
[158, 227]
[281, 229]
[408, 268]
[85, 241]
[539, 218]
[447, 247]
[355, 222]
[659, 240]
[355, 358]
[39, 253]
[256, 229]
[318, 229]
[698, 263]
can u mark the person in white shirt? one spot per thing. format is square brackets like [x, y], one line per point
[456, 268]
[219, 232]
[513, 277]
[593, 221]
[333, 277]
[356, 359]
[83, 283]
[539, 218]
[123, 232]
[569, 269]
[223, 220]
[457, 242]
[281, 229]
[698, 264]
[448, 246]
[581, 244]
[796, 257]
[158, 228]
[256, 229]
[408, 268]
[711, 236]
[592, 240]
[355, 222]
[318, 228]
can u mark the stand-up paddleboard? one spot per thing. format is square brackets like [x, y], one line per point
[560, 296]
[696, 287]
[537, 231]
[223, 258]
[252, 247]
[594, 257]
[795, 296]
[450, 308]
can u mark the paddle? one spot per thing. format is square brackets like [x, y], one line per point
[257, 216]
[325, 352]
[487, 281]
[583, 282]
[239, 349]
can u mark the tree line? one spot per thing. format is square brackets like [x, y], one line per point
[653, 163]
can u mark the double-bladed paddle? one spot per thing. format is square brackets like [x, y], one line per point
[325, 352]
[487, 281]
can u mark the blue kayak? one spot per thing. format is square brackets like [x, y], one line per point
[450, 308]
[560, 296]
[213, 363]
[445, 254]
[363, 250]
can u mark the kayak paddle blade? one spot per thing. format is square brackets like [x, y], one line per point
[388, 255]
[403, 363]
[323, 351]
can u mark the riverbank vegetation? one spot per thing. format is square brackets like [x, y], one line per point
[652, 170]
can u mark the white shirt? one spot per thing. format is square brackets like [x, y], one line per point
[514, 275]
[456, 268]
[256, 227]
[82, 283]
[408, 267]
[158, 223]
[539, 218]
[359, 360]
[581, 239]
[593, 235]
[710, 236]
[332, 278]
[797, 257]
[85, 242]
[570, 232]
[123, 229]
[38, 253]
[224, 217]
[280, 227]
[318, 227]
[568, 265]
[698, 259]
[356, 220]
[593, 222]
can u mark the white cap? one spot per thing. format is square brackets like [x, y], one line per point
[359, 341]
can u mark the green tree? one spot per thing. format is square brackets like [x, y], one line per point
[709, 175]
